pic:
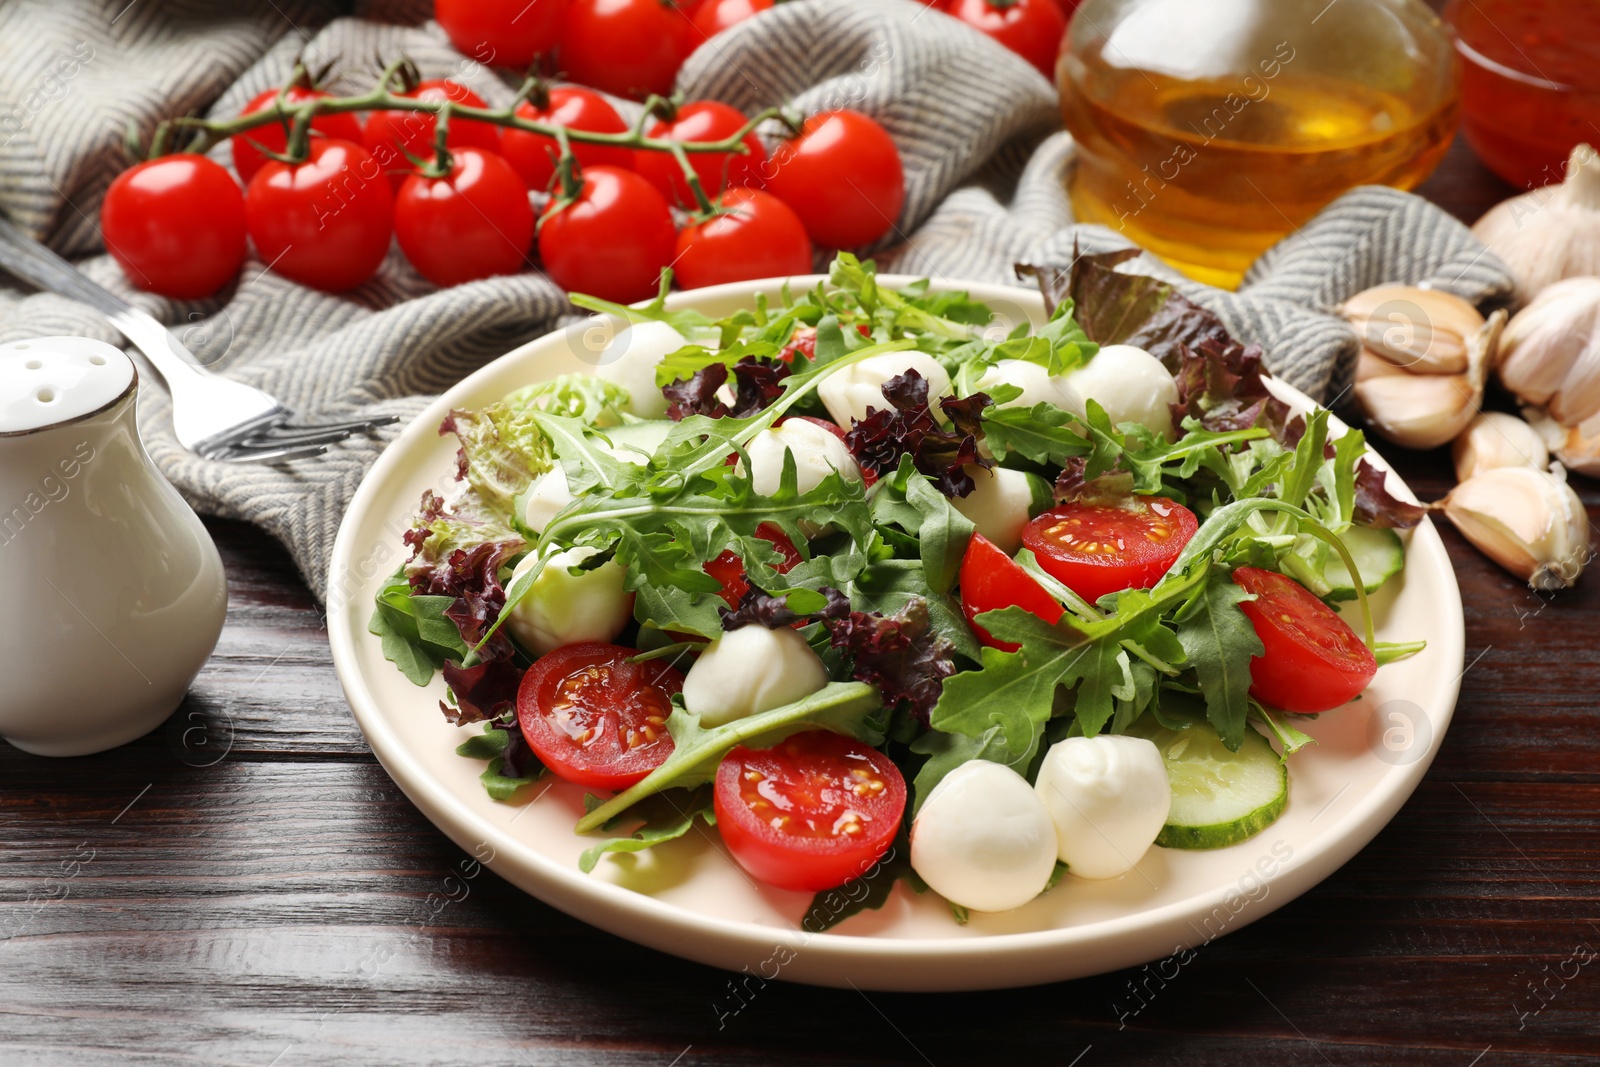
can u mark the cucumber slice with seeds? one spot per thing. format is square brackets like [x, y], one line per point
[1219, 798]
[1379, 555]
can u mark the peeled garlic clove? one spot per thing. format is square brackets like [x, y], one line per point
[1371, 365]
[1494, 439]
[1428, 410]
[1528, 521]
[1550, 354]
[1577, 447]
[1550, 233]
[1424, 331]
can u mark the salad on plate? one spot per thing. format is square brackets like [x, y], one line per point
[883, 591]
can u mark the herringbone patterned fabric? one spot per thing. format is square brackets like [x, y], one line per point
[977, 127]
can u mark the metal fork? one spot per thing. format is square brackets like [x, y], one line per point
[213, 417]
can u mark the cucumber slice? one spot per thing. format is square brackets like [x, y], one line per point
[1219, 798]
[1379, 555]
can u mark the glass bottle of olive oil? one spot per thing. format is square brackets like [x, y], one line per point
[1208, 131]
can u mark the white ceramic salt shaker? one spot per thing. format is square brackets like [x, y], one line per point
[111, 592]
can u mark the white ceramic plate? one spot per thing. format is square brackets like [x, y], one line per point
[690, 899]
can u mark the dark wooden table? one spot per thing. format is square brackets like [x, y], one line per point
[247, 886]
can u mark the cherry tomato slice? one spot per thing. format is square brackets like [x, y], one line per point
[613, 241]
[811, 812]
[843, 177]
[326, 222]
[703, 120]
[759, 237]
[728, 568]
[1095, 549]
[1311, 660]
[594, 718]
[473, 224]
[247, 158]
[149, 221]
[393, 135]
[503, 33]
[991, 580]
[577, 108]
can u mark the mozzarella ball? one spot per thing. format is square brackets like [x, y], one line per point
[751, 670]
[1108, 798]
[630, 361]
[983, 839]
[817, 453]
[1131, 385]
[546, 498]
[848, 393]
[999, 507]
[1038, 385]
[564, 609]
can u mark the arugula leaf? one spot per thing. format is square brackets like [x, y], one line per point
[1220, 642]
[685, 320]
[1041, 433]
[401, 648]
[908, 499]
[1290, 738]
[491, 745]
[690, 360]
[416, 635]
[947, 751]
[669, 820]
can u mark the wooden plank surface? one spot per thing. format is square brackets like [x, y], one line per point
[246, 886]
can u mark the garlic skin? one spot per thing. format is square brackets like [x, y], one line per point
[1577, 447]
[1550, 233]
[1428, 410]
[1528, 521]
[1550, 354]
[1495, 439]
[1425, 331]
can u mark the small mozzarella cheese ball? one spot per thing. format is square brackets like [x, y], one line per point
[1131, 385]
[630, 361]
[564, 609]
[1038, 385]
[546, 498]
[1108, 798]
[983, 839]
[848, 393]
[817, 453]
[1000, 505]
[751, 670]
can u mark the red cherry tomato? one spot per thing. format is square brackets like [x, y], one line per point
[326, 222]
[842, 176]
[714, 16]
[1095, 549]
[534, 155]
[704, 120]
[760, 237]
[804, 342]
[613, 241]
[728, 568]
[594, 718]
[811, 812]
[626, 48]
[175, 226]
[473, 224]
[502, 33]
[1030, 28]
[1311, 660]
[393, 135]
[247, 158]
[991, 580]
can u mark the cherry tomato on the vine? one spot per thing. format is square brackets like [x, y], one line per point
[1095, 549]
[714, 16]
[472, 224]
[612, 241]
[247, 158]
[393, 135]
[1311, 661]
[842, 176]
[501, 33]
[759, 237]
[1030, 28]
[991, 580]
[534, 154]
[596, 719]
[175, 225]
[703, 120]
[326, 222]
[627, 48]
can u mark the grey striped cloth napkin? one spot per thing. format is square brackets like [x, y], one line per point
[977, 127]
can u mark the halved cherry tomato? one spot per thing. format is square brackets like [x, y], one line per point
[811, 812]
[728, 568]
[393, 135]
[472, 224]
[326, 222]
[759, 237]
[1095, 549]
[703, 120]
[1311, 660]
[626, 48]
[714, 16]
[991, 580]
[612, 241]
[247, 158]
[596, 719]
[577, 108]
[504, 33]
[176, 225]
[842, 176]
[1030, 28]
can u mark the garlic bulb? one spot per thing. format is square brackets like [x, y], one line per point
[1495, 439]
[1550, 233]
[1425, 331]
[1427, 410]
[1528, 521]
[1550, 354]
[1577, 447]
